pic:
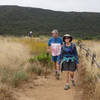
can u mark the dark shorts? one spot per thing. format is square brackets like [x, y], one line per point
[56, 59]
[69, 66]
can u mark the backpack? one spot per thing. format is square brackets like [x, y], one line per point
[72, 45]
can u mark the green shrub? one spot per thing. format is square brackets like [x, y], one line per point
[45, 61]
[32, 59]
[44, 58]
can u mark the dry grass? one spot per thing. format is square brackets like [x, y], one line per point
[15, 54]
[97, 93]
[95, 48]
[14, 57]
[85, 83]
[12, 54]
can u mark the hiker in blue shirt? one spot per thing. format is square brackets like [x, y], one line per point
[55, 43]
[70, 59]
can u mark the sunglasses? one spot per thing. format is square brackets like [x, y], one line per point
[67, 37]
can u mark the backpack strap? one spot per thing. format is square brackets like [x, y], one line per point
[62, 50]
[72, 45]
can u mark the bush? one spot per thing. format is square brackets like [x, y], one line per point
[44, 59]
[40, 71]
[12, 77]
[40, 64]
[6, 75]
[32, 68]
[35, 69]
[32, 59]
[18, 77]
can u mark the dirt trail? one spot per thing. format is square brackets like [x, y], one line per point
[45, 89]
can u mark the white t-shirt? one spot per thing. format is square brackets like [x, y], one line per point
[55, 49]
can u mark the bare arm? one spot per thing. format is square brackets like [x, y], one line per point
[48, 49]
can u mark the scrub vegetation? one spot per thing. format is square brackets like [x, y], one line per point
[24, 65]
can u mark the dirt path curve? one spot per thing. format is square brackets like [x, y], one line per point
[46, 89]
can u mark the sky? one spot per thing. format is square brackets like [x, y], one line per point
[58, 5]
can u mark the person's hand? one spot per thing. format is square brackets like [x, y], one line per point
[77, 65]
[48, 51]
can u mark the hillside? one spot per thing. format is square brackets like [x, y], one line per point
[15, 20]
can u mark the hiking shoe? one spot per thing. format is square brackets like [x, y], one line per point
[73, 82]
[57, 75]
[67, 87]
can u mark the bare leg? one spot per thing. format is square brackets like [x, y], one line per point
[72, 78]
[55, 65]
[67, 81]
[58, 66]
[72, 75]
[57, 71]
[67, 77]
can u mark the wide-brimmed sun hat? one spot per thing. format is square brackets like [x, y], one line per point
[67, 36]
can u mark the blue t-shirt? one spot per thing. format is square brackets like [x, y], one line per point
[70, 51]
[55, 40]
